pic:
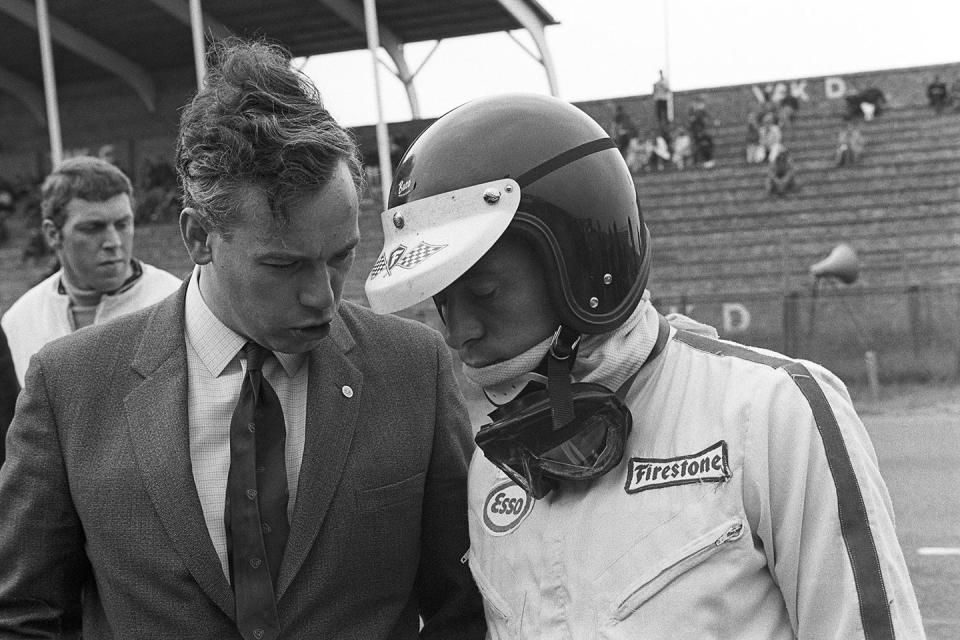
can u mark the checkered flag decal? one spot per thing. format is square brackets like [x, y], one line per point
[401, 257]
[410, 259]
[378, 266]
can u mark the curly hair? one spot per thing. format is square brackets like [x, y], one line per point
[83, 177]
[257, 123]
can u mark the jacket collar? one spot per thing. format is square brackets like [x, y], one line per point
[156, 410]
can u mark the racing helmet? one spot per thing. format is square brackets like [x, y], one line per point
[535, 165]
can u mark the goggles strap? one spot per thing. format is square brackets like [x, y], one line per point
[563, 351]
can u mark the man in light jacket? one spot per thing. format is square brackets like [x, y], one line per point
[87, 208]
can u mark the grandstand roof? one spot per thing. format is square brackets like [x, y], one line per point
[95, 39]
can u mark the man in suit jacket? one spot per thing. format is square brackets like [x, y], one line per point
[9, 388]
[122, 451]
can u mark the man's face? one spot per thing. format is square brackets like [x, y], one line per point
[280, 286]
[500, 307]
[95, 244]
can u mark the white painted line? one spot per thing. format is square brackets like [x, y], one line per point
[938, 551]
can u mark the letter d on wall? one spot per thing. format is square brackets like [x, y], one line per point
[834, 88]
[736, 317]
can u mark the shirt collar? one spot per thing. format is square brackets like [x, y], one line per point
[65, 288]
[217, 344]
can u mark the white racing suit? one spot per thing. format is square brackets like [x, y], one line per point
[722, 520]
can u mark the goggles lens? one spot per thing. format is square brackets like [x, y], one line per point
[524, 444]
[583, 449]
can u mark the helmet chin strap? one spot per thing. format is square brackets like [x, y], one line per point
[560, 359]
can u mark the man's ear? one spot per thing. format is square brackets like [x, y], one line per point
[52, 235]
[195, 235]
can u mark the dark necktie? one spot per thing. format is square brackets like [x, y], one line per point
[255, 513]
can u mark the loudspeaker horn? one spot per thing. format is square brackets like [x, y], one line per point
[841, 264]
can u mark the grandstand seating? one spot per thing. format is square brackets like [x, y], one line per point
[717, 230]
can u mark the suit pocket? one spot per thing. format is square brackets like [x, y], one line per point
[684, 559]
[396, 493]
[503, 622]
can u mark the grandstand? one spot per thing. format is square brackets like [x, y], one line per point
[720, 242]
[739, 260]
[733, 257]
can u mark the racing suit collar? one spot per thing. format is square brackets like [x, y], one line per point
[606, 358]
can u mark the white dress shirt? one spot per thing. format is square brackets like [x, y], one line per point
[215, 370]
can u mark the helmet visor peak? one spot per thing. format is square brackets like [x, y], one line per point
[429, 243]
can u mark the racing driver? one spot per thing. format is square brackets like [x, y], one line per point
[636, 479]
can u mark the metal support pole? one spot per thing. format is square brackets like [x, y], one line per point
[383, 142]
[49, 84]
[873, 375]
[199, 44]
[791, 324]
[666, 56]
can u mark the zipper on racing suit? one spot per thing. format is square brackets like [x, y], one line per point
[711, 543]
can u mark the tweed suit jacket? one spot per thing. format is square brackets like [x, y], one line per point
[101, 529]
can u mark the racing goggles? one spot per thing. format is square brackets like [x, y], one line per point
[523, 442]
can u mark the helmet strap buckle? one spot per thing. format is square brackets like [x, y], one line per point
[565, 343]
[560, 359]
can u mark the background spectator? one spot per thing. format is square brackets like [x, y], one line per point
[660, 156]
[682, 149]
[850, 144]
[771, 137]
[638, 154]
[755, 151]
[703, 150]
[88, 221]
[623, 129]
[867, 103]
[698, 118]
[954, 95]
[781, 177]
[9, 390]
[661, 100]
[6, 210]
[789, 105]
[937, 94]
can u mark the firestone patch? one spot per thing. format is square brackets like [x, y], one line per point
[710, 465]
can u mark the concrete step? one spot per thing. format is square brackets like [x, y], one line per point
[792, 273]
[880, 190]
[745, 176]
[739, 248]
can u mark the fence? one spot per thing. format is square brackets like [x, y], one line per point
[914, 331]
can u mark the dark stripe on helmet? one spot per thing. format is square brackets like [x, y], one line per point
[563, 159]
[854, 524]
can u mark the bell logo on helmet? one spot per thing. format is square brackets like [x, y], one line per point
[404, 187]
[505, 508]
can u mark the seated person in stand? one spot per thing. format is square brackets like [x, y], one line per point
[682, 149]
[781, 177]
[937, 94]
[850, 144]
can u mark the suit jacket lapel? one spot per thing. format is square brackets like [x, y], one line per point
[331, 423]
[157, 417]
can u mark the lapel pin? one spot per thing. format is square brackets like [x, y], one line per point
[347, 391]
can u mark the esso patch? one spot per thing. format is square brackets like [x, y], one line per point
[505, 508]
